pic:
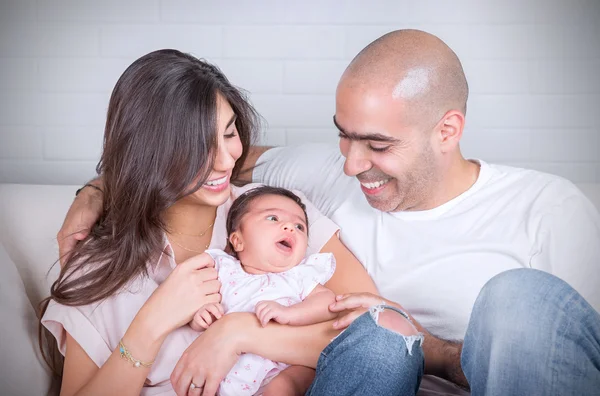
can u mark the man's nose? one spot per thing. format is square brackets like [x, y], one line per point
[356, 162]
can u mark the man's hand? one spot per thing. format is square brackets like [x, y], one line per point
[83, 213]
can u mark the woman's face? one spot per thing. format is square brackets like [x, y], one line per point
[215, 191]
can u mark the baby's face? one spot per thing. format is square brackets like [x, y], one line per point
[273, 234]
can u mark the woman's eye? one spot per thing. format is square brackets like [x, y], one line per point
[300, 227]
[232, 134]
[272, 218]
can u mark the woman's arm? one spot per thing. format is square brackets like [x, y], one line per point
[117, 376]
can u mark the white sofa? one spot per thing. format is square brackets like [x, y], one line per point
[30, 216]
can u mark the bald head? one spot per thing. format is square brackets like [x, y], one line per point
[414, 67]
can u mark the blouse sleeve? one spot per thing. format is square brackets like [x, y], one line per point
[60, 320]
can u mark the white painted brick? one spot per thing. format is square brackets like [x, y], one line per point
[17, 10]
[358, 37]
[20, 142]
[497, 76]
[487, 42]
[72, 109]
[130, 11]
[473, 12]
[224, 12]
[296, 110]
[256, 76]
[289, 42]
[556, 41]
[73, 144]
[576, 172]
[18, 75]
[80, 75]
[564, 76]
[18, 109]
[272, 137]
[508, 42]
[133, 41]
[301, 136]
[565, 145]
[46, 172]
[30, 39]
[349, 12]
[314, 77]
[496, 145]
[572, 12]
[539, 111]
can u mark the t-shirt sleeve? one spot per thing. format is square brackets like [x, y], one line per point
[60, 320]
[320, 227]
[317, 269]
[568, 245]
[315, 169]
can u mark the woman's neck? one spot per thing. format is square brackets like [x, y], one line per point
[190, 218]
[189, 228]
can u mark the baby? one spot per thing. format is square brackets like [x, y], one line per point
[269, 275]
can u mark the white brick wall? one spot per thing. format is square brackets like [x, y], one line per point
[533, 68]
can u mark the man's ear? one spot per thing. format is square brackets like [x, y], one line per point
[236, 241]
[450, 130]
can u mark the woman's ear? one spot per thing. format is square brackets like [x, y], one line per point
[236, 241]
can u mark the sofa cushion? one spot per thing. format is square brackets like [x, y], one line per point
[23, 371]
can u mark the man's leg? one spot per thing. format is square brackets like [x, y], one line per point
[367, 359]
[531, 333]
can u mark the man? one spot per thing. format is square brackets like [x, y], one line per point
[458, 243]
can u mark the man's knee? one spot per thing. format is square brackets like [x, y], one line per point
[390, 343]
[517, 287]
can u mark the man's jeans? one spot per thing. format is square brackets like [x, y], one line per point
[366, 359]
[530, 333]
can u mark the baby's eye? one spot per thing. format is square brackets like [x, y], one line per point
[272, 218]
[300, 227]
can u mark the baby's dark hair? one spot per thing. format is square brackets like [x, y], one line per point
[240, 207]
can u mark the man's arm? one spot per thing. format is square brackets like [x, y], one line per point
[250, 163]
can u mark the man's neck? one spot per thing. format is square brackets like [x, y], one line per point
[460, 176]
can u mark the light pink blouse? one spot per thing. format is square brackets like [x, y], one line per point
[98, 327]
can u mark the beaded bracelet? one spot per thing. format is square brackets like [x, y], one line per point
[125, 354]
[88, 185]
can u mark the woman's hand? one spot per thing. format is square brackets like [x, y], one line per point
[192, 284]
[210, 357]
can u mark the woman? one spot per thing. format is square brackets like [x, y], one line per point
[177, 133]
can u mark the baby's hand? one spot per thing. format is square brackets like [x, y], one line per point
[206, 316]
[271, 310]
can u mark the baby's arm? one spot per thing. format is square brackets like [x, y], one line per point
[314, 309]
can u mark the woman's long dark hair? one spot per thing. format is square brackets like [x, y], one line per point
[160, 138]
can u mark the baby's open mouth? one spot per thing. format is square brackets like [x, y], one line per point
[285, 244]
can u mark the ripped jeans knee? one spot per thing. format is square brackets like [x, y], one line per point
[397, 321]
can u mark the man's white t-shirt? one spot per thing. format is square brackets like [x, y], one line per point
[435, 262]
